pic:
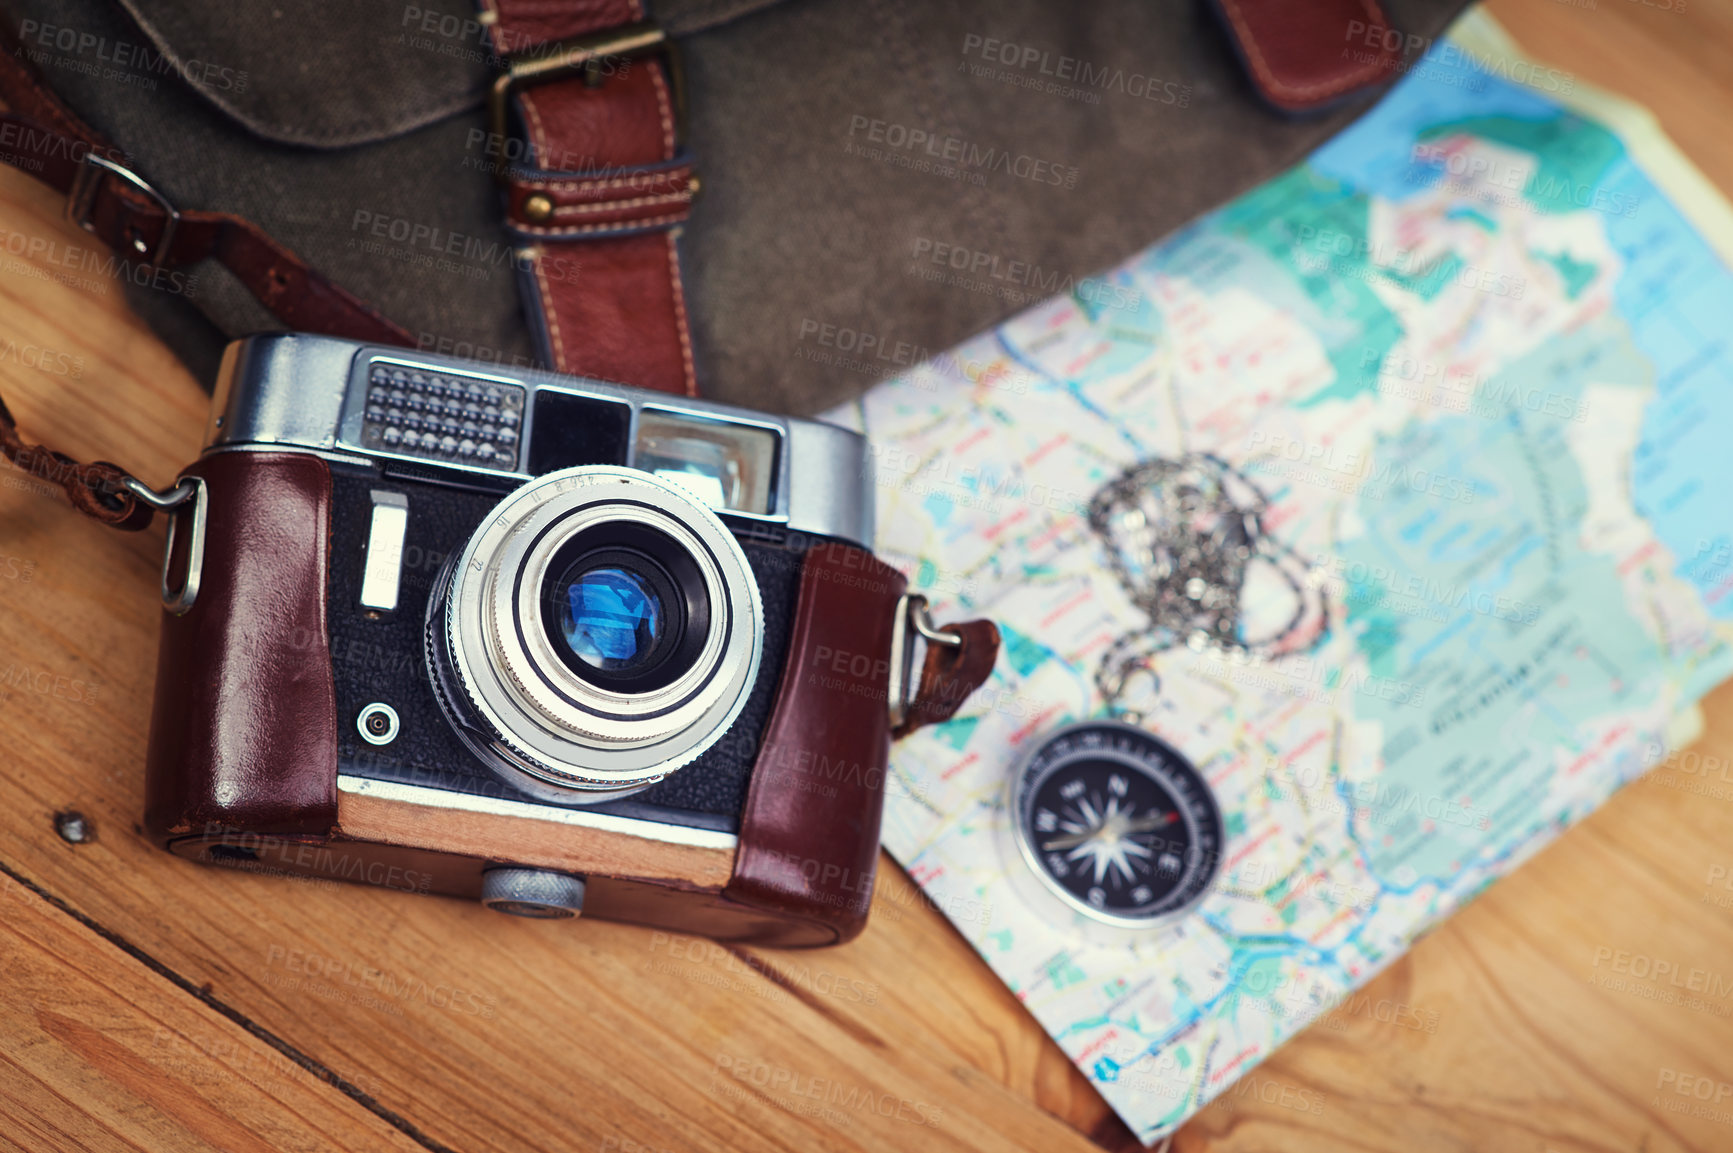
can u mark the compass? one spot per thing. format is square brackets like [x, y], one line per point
[1116, 825]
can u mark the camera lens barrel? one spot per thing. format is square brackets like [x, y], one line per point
[600, 629]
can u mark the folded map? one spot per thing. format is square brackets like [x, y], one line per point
[1466, 370]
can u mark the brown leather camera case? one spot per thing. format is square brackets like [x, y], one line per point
[244, 740]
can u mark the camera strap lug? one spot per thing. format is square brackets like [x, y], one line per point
[959, 660]
[190, 490]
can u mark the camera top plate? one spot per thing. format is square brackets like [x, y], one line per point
[313, 393]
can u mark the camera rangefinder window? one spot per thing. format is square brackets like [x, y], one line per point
[572, 430]
[728, 466]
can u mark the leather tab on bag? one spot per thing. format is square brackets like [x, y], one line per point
[600, 200]
[1305, 55]
[576, 206]
[950, 673]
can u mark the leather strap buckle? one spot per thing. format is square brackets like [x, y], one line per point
[81, 201]
[565, 57]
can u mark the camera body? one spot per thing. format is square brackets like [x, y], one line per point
[548, 642]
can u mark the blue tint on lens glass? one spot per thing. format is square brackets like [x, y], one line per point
[611, 618]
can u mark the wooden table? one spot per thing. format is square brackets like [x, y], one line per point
[150, 1004]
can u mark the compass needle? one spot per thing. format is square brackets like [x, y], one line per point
[1130, 835]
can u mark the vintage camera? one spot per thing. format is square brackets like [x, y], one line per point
[543, 641]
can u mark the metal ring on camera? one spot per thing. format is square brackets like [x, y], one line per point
[190, 488]
[911, 612]
[551, 732]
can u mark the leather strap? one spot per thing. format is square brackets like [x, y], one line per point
[950, 673]
[128, 220]
[43, 138]
[96, 490]
[599, 200]
[46, 139]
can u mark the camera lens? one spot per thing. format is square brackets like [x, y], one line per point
[625, 606]
[601, 629]
[610, 617]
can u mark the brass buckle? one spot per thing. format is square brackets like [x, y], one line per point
[564, 57]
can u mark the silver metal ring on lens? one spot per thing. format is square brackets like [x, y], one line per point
[550, 725]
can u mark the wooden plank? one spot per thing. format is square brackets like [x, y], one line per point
[98, 1050]
[488, 1033]
[1669, 55]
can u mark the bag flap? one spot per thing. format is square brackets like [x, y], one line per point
[318, 75]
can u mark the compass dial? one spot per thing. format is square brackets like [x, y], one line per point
[1116, 823]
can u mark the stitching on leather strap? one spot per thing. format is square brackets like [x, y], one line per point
[579, 183]
[538, 132]
[680, 316]
[665, 106]
[605, 228]
[550, 315]
[599, 207]
[577, 205]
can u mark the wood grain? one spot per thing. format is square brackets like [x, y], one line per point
[548, 844]
[100, 1051]
[427, 1023]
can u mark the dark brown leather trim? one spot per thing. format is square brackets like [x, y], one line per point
[809, 834]
[1306, 56]
[243, 731]
[949, 674]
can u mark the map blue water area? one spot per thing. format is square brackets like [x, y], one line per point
[1376, 153]
[1675, 292]
[1677, 296]
[1487, 604]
